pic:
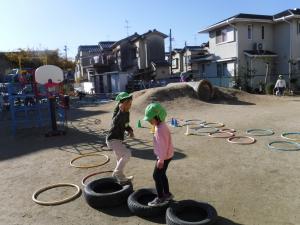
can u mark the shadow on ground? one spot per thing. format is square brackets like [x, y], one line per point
[143, 149]
[33, 140]
[123, 211]
[224, 221]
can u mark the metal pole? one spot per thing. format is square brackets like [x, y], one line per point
[171, 60]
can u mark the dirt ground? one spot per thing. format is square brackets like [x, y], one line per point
[247, 184]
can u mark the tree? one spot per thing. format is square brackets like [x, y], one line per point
[35, 58]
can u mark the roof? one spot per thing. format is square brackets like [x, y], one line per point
[252, 17]
[260, 53]
[192, 48]
[129, 38]
[203, 58]
[288, 12]
[154, 31]
[106, 45]
[89, 48]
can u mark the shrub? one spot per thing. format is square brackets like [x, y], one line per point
[270, 88]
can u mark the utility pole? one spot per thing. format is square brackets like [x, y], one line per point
[185, 56]
[170, 52]
[127, 27]
[66, 52]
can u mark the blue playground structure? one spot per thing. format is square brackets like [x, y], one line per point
[30, 107]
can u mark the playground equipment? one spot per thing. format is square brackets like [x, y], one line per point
[33, 103]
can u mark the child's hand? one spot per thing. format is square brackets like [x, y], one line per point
[160, 164]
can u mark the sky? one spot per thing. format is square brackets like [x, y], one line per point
[52, 24]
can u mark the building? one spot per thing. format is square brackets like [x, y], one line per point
[186, 59]
[85, 60]
[248, 49]
[142, 55]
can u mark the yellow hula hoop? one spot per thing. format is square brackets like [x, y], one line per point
[93, 174]
[231, 130]
[217, 125]
[226, 134]
[89, 166]
[252, 140]
[35, 194]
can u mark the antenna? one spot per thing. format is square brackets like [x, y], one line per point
[127, 27]
[195, 39]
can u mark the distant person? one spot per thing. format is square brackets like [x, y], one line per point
[280, 86]
[155, 114]
[115, 137]
[51, 87]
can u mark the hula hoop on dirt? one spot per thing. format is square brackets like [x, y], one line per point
[221, 134]
[194, 122]
[228, 130]
[284, 149]
[217, 125]
[205, 130]
[266, 132]
[89, 166]
[35, 194]
[251, 140]
[93, 174]
[283, 135]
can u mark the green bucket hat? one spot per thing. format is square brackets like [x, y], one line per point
[155, 109]
[123, 96]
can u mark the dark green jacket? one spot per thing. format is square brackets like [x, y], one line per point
[120, 124]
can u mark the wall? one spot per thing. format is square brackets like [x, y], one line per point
[282, 46]
[222, 50]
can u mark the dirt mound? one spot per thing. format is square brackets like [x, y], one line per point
[182, 90]
[162, 94]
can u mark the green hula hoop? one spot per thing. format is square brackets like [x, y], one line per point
[283, 135]
[268, 132]
[284, 149]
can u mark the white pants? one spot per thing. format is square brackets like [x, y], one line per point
[122, 154]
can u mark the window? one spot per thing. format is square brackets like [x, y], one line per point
[222, 69]
[262, 32]
[225, 35]
[219, 70]
[203, 68]
[175, 63]
[250, 31]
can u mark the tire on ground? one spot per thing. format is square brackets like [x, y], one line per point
[106, 192]
[138, 203]
[190, 212]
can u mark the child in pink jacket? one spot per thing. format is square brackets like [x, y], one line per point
[155, 114]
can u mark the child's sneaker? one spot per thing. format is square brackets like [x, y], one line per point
[168, 196]
[120, 177]
[156, 202]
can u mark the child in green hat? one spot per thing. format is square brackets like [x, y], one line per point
[115, 136]
[155, 114]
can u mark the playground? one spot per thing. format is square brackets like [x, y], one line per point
[247, 184]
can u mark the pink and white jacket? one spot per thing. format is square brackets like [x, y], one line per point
[163, 147]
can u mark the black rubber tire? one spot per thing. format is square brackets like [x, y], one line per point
[138, 200]
[198, 213]
[106, 192]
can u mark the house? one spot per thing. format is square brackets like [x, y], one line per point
[85, 61]
[186, 59]
[143, 55]
[249, 49]
[125, 55]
